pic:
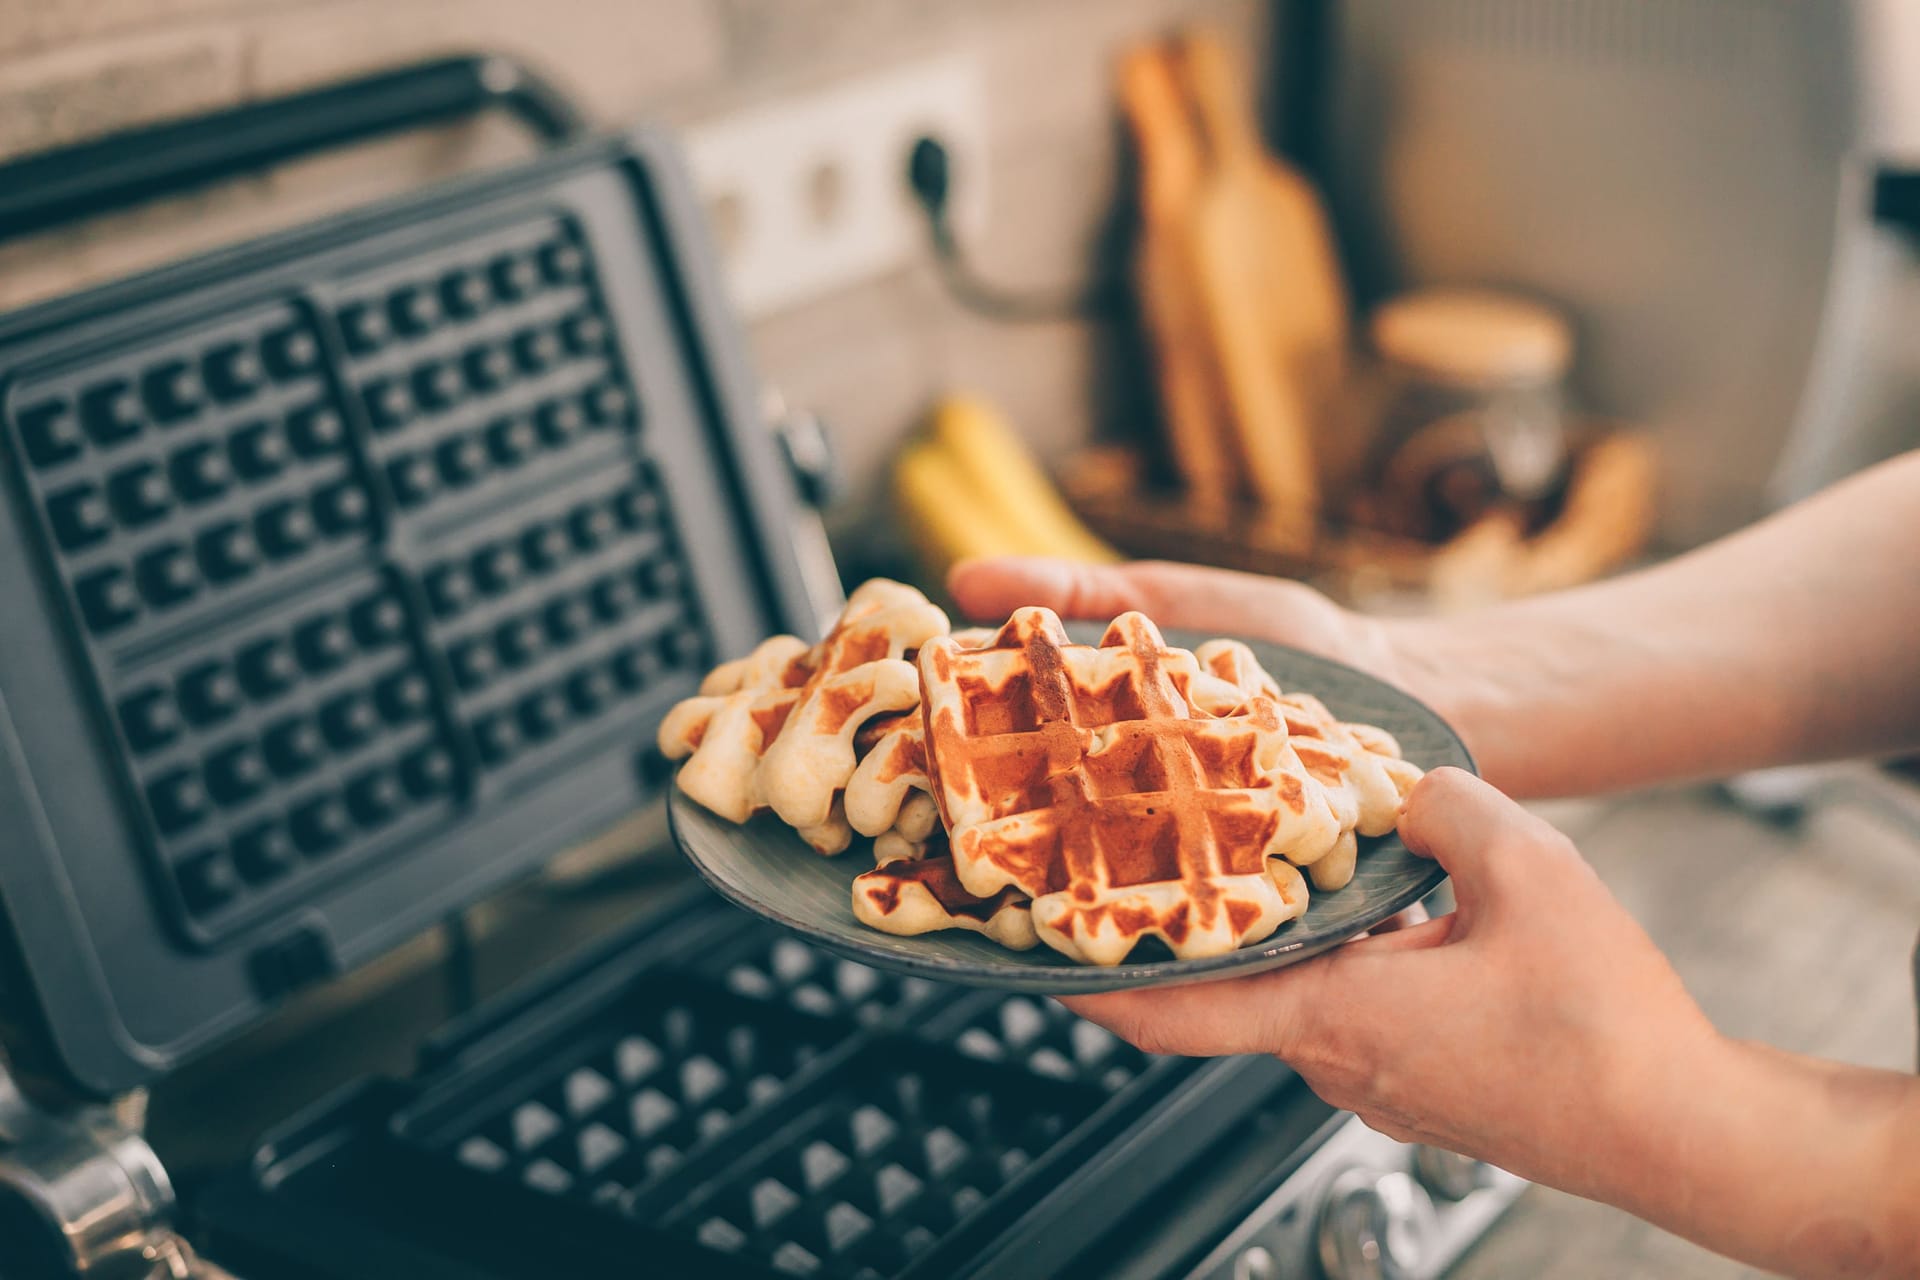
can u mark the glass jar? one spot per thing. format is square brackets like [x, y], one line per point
[1474, 410]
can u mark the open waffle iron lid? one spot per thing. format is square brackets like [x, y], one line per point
[348, 571]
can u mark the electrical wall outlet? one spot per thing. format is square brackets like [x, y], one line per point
[809, 195]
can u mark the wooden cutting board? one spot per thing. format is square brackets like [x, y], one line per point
[1275, 303]
[1166, 271]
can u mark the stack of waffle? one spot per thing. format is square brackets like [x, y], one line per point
[1035, 790]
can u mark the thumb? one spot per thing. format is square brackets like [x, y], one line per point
[994, 588]
[1483, 839]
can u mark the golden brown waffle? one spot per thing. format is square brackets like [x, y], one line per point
[889, 798]
[1134, 789]
[913, 834]
[776, 729]
[888, 778]
[888, 795]
[1360, 769]
[1358, 766]
[1085, 778]
[923, 895]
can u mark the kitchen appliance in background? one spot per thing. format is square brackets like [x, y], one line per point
[1692, 181]
[349, 571]
[326, 552]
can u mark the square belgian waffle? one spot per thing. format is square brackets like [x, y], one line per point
[781, 1111]
[1087, 778]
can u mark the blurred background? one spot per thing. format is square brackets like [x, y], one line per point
[1428, 302]
[1672, 204]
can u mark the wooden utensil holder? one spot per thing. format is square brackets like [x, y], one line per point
[1604, 521]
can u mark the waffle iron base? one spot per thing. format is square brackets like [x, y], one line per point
[722, 1097]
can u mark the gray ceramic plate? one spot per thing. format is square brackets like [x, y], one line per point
[764, 867]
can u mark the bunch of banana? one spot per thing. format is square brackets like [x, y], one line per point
[970, 487]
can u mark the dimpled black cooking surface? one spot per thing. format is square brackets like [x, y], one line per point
[896, 1154]
[618, 1107]
[790, 1111]
[770, 966]
[183, 485]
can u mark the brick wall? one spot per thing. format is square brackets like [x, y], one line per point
[869, 359]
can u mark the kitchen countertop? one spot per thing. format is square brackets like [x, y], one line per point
[1765, 922]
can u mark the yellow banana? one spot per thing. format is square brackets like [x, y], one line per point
[945, 520]
[1002, 471]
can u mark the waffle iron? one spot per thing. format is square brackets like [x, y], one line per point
[347, 573]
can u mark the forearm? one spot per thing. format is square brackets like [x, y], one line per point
[1797, 639]
[1804, 1167]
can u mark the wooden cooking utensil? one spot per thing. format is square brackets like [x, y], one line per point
[1276, 304]
[1166, 271]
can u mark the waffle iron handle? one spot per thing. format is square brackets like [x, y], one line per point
[138, 165]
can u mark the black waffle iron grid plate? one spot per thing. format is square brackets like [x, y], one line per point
[201, 497]
[349, 571]
[790, 1112]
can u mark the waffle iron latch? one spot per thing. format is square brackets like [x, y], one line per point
[82, 1194]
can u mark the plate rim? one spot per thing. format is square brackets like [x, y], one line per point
[1069, 978]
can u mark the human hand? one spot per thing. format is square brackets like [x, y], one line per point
[1531, 1028]
[1218, 601]
[1501, 689]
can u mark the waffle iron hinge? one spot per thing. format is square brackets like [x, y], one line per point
[82, 1194]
